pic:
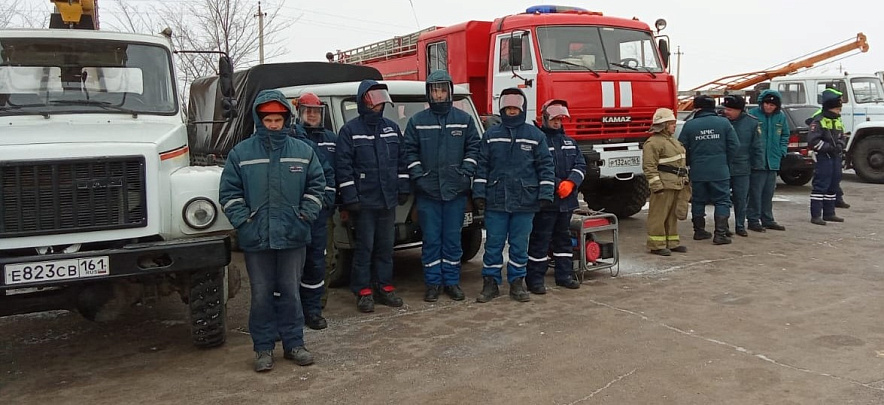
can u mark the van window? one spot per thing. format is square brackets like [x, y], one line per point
[437, 56]
[793, 93]
[831, 84]
[867, 90]
[406, 106]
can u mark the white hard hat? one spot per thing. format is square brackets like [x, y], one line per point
[663, 115]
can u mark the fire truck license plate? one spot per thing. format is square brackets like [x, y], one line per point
[624, 161]
[35, 272]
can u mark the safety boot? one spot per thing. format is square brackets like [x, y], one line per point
[454, 292]
[300, 355]
[365, 303]
[263, 360]
[817, 221]
[315, 321]
[517, 290]
[721, 237]
[489, 290]
[432, 294]
[387, 296]
[833, 218]
[700, 232]
[842, 204]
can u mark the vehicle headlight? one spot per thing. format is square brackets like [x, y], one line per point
[200, 213]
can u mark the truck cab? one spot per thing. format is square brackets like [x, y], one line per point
[862, 114]
[409, 98]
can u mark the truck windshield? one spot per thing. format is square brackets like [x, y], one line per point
[51, 76]
[867, 90]
[598, 49]
[404, 107]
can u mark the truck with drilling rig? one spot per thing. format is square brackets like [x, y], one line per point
[612, 71]
[100, 207]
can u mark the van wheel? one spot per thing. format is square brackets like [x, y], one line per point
[868, 159]
[796, 177]
[471, 240]
[208, 309]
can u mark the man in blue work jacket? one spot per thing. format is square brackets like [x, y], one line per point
[441, 152]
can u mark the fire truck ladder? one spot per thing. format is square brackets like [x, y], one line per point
[387, 49]
[724, 85]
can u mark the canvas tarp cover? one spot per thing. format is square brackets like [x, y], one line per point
[205, 99]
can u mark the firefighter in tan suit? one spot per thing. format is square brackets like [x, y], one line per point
[663, 163]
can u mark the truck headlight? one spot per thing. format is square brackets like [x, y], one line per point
[200, 213]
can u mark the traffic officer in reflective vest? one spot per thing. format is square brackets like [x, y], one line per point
[663, 163]
[553, 222]
[826, 139]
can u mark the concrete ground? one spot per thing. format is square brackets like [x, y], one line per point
[776, 318]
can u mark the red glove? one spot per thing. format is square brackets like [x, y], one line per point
[565, 188]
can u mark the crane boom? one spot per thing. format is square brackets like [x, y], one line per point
[741, 81]
[80, 14]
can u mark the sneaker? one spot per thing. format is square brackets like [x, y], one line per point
[817, 221]
[681, 248]
[365, 303]
[757, 228]
[432, 294]
[263, 361]
[454, 292]
[571, 284]
[775, 226]
[538, 289]
[387, 296]
[833, 218]
[315, 321]
[299, 355]
[662, 252]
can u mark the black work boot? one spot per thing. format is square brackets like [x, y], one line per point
[833, 218]
[700, 232]
[517, 290]
[388, 298]
[315, 321]
[454, 292]
[489, 290]
[842, 204]
[365, 303]
[432, 294]
[817, 221]
[721, 237]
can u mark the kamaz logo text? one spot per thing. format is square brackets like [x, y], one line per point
[616, 120]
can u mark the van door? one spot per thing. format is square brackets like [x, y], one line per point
[503, 73]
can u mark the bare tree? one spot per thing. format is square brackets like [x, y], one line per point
[20, 14]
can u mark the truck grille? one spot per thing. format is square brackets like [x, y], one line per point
[594, 128]
[77, 195]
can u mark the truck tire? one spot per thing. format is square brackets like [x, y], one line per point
[208, 309]
[338, 274]
[471, 240]
[868, 159]
[796, 177]
[621, 198]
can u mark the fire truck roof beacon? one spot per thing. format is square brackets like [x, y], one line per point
[552, 9]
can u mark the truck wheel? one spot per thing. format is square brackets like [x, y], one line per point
[868, 159]
[338, 274]
[471, 240]
[621, 198]
[796, 177]
[208, 309]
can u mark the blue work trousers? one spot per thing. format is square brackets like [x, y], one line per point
[762, 184]
[277, 270]
[550, 234]
[740, 198]
[441, 223]
[373, 250]
[506, 227]
[826, 182]
[717, 193]
[313, 281]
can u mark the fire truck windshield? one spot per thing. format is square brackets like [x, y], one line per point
[597, 49]
[50, 76]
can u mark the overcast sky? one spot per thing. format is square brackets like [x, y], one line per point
[717, 37]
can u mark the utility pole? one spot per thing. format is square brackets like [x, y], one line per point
[678, 54]
[260, 16]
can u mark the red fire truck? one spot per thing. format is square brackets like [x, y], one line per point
[610, 70]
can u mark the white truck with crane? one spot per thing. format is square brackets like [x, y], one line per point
[100, 207]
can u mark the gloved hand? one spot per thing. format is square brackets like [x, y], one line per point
[352, 207]
[545, 203]
[479, 203]
[403, 198]
[565, 189]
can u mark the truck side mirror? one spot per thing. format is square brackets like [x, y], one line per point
[664, 51]
[515, 50]
[225, 82]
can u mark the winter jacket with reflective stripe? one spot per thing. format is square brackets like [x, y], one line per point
[663, 149]
[515, 167]
[323, 143]
[569, 164]
[774, 135]
[441, 153]
[751, 148]
[369, 162]
[826, 134]
[711, 144]
[272, 187]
